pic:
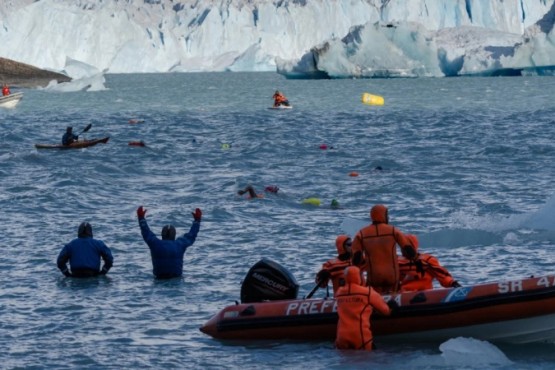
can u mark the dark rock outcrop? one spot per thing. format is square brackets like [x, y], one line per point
[17, 74]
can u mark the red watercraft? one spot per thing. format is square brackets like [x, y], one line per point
[515, 311]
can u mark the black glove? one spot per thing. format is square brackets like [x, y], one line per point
[322, 278]
[66, 273]
[419, 267]
[408, 252]
[455, 284]
[393, 306]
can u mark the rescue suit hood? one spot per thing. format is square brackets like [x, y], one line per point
[340, 242]
[379, 214]
[352, 275]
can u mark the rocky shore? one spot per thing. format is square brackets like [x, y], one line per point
[17, 74]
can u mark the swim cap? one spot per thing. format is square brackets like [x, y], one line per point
[379, 214]
[85, 230]
[168, 232]
[271, 189]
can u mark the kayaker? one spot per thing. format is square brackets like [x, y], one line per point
[375, 243]
[84, 254]
[69, 137]
[334, 269]
[5, 90]
[280, 99]
[355, 304]
[167, 254]
[418, 274]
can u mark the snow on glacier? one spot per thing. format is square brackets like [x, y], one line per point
[318, 38]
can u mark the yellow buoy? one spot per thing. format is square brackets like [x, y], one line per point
[370, 99]
[312, 201]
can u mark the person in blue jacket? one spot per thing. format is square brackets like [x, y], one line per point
[84, 254]
[167, 253]
[69, 137]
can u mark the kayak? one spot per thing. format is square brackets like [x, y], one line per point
[74, 145]
[10, 101]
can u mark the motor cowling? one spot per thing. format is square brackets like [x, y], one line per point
[268, 281]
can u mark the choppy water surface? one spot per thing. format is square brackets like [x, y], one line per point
[467, 165]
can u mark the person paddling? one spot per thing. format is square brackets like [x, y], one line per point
[69, 137]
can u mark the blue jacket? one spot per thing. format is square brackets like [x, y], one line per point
[69, 138]
[84, 254]
[167, 255]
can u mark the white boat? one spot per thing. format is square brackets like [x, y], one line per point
[282, 107]
[10, 101]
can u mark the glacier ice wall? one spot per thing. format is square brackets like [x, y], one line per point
[335, 38]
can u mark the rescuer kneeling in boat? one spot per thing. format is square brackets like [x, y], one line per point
[419, 273]
[334, 269]
[355, 304]
[167, 254]
[376, 243]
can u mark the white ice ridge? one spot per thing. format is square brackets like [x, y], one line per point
[299, 38]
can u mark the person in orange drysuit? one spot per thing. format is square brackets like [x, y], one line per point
[375, 243]
[355, 304]
[418, 274]
[280, 99]
[334, 269]
[5, 90]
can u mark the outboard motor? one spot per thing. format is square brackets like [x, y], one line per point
[268, 281]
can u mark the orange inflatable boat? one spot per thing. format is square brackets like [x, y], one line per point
[513, 311]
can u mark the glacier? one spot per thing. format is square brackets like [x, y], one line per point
[297, 38]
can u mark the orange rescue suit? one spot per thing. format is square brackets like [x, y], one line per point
[376, 244]
[355, 304]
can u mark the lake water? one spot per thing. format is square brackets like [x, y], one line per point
[467, 164]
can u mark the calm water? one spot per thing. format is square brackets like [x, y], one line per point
[467, 165]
